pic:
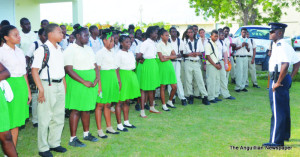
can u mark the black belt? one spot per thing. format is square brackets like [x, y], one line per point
[192, 60]
[174, 60]
[241, 55]
[249, 56]
[53, 80]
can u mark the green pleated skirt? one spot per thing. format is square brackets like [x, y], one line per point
[148, 75]
[18, 108]
[110, 87]
[4, 115]
[130, 86]
[166, 72]
[78, 96]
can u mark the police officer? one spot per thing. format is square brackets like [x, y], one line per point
[283, 55]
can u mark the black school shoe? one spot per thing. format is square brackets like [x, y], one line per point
[237, 90]
[173, 101]
[46, 154]
[255, 86]
[212, 101]
[273, 144]
[217, 99]
[124, 129]
[115, 133]
[230, 98]
[131, 127]
[166, 110]
[59, 149]
[183, 102]
[198, 97]
[205, 101]
[138, 107]
[91, 138]
[147, 107]
[244, 90]
[35, 125]
[191, 100]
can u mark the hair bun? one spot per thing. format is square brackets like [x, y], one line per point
[77, 26]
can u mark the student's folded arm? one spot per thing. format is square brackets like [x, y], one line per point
[173, 55]
[69, 70]
[162, 58]
[4, 73]
[97, 75]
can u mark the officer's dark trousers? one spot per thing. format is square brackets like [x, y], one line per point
[280, 106]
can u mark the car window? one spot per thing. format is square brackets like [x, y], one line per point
[256, 32]
[298, 37]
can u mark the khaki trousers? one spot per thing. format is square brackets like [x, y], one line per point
[241, 72]
[252, 71]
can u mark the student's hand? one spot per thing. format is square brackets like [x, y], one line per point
[142, 61]
[29, 98]
[226, 66]
[179, 56]
[99, 90]
[243, 44]
[276, 85]
[246, 44]
[252, 61]
[232, 44]
[120, 86]
[41, 97]
[95, 82]
[88, 84]
[218, 66]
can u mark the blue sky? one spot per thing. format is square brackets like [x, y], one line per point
[124, 11]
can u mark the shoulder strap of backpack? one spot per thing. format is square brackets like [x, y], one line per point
[251, 41]
[195, 44]
[136, 42]
[36, 45]
[45, 62]
[169, 40]
[178, 44]
[212, 47]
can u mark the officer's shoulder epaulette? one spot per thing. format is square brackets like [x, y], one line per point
[279, 44]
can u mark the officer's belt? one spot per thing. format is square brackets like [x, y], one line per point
[241, 56]
[192, 60]
[272, 75]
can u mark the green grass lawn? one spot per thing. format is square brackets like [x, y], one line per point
[194, 130]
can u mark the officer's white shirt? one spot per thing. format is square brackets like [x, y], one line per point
[176, 47]
[200, 48]
[13, 60]
[95, 44]
[56, 61]
[243, 50]
[252, 46]
[282, 52]
[228, 42]
[148, 49]
[26, 41]
[126, 60]
[32, 48]
[106, 59]
[81, 58]
[64, 43]
[222, 48]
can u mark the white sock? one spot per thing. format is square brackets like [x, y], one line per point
[126, 122]
[100, 133]
[110, 129]
[153, 102]
[85, 134]
[112, 109]
[153, 109]
[165, 107]
[143, 113]
[72, 138]
[170, 103]
[120, 126]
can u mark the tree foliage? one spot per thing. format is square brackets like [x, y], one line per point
[243, 11]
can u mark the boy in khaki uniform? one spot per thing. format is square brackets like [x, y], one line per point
[51, 98]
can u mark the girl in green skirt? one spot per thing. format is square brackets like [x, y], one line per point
[148, 74]
[8, 146]
[109, 83]
[82, 78]
[13, 59]
[130, 86]
[166, 69]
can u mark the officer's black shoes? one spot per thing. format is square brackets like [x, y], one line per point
[217, 99]
[137, 107]
[35, 125]
[287, 140]
[124, 129]
[173, 101]
[166, 109]
[212, 101]
[205, 101]
[246, 85]
[191, 100]
[233, 81]
[237, 90]
[255, 86]
[272, 144]
[59, 149]
[46, 154]
[147, 107]
[183, 102]
[198, 97]
[244, 90]
[230, 98]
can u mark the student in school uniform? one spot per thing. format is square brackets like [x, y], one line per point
[65, 42]
[147, 70]
[177, 46]
[138, 36]
[242, 52]
[116, 37]
[223, 59]
[95, 42]
[204, 41]
[13, 59]
[34, 92]
[167, 74]
[82, 77]
[130, 88]
[109, 84]
[195, 29]
[48, 74]
[230, 42]
[71, 39]
[27, 36]
[135, 46]
[193, 49]
[44, 23]
[251, 63]
[7, 144]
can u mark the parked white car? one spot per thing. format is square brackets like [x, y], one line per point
[296, 42]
